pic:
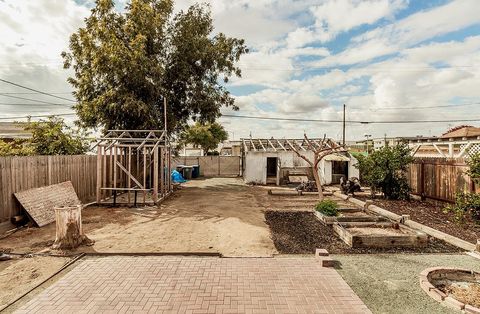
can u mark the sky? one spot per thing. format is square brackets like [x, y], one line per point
[386, 60]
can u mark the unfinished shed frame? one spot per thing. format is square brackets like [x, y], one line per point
[133, 164]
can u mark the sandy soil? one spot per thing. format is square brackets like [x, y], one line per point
[20, 275]
[212, 215]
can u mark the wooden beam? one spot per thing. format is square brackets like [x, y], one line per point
[439, 151]
[129, 175]
[264, 149]
[281, 145]
[155, 176]
[253, 145]
[99, 173]
[271, 144]
[464, 150]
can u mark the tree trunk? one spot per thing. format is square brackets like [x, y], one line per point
[69, 231]
[318, 183]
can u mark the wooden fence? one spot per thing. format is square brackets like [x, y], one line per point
[439, 178]
[212, 166]
[23, 173]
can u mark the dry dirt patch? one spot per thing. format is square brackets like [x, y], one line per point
[19, 276]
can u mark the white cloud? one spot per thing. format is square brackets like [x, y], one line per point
[336, 16]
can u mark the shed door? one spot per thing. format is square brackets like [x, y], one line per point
[271, 166]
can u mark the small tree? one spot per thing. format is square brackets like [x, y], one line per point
[49, 137]
[207, 136]
[385, 170]
[320, 150]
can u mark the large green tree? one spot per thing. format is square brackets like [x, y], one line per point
[125, 62]
[207, 136]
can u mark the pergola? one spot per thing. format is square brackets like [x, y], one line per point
[272, 144]
[132, 162]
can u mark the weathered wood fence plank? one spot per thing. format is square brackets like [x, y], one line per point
[23, 173]
[439, 178]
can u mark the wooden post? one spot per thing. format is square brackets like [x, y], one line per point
[162, 172]
[144, 173]
[99, 174]
[114, 168]
[69, 231]
[155, 175]
[129, 160]
[422, 180]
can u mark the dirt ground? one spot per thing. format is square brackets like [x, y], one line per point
[213, 215]
[301, 233]
[432, 214]
[18, 276]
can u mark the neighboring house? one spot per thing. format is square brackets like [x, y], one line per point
[10, 131]
[272, 161]
[231, 148]
[190, 150]
[459, 142]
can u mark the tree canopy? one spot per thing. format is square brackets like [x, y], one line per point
[49, 137]
[125, 62]
[207, 136]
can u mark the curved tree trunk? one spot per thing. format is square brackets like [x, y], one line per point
[318, 183]
[69, 231]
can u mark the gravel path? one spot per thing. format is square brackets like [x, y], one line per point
[388, 283]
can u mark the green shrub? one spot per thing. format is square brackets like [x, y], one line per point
[385, 170]
[466, 205]
[327, 207]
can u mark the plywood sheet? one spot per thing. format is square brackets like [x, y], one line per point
[39, 202]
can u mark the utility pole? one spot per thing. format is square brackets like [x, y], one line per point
[344, 109]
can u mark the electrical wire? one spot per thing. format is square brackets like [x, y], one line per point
[29, 99]
[35, 90]
[349, 121]
[39, 116]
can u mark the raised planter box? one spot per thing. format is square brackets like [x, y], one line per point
[349, 215]
[379, 235]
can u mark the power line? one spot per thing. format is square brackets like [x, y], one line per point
[34, 90]
[429, 107]
[29, 99]
[37, 116]
[30, 93]
[23, 104]
[349, 121]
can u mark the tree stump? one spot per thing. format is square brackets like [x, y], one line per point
[69, 231]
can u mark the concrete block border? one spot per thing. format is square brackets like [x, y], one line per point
[405, 219]
[439, 295]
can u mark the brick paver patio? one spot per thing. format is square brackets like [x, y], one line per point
[175, 284]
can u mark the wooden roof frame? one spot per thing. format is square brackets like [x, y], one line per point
[279, 145]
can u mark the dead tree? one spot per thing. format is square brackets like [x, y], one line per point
[69, 231]
[320, 150]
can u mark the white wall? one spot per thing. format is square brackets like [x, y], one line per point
[352, 170]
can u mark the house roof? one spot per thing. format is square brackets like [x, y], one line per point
[13, 130]
[274, 145]
[462, 131]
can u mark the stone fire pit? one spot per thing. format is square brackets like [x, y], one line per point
[456, 288]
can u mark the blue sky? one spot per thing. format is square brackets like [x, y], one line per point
[379, 57]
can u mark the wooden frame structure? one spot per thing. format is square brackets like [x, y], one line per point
[274, 145]
[133, 161]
